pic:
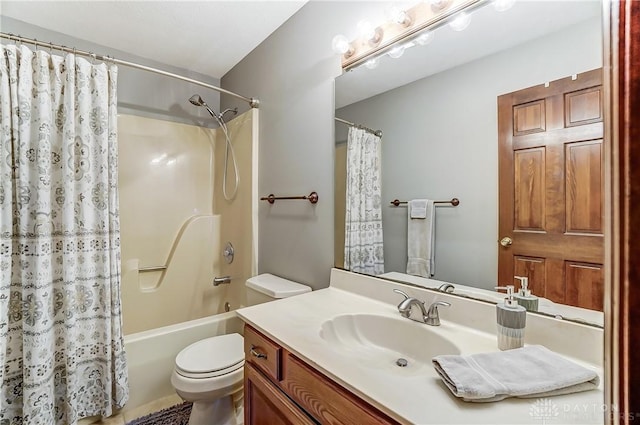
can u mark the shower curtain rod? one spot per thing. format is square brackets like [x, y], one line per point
[254, 103]
[376, 132]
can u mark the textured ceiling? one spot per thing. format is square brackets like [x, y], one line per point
[208, 37]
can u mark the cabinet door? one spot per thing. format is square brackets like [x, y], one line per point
[267, 405]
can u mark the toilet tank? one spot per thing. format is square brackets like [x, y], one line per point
[267, 287]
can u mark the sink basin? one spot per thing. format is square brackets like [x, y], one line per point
[379, 341]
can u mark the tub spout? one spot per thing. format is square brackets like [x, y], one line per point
[221, 280]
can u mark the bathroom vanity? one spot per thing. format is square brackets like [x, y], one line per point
[282, 388]
[333, 357]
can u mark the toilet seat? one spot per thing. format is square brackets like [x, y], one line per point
[211, 357]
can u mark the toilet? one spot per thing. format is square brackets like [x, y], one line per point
[209, 373]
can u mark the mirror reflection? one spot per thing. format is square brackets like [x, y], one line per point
[505, 116]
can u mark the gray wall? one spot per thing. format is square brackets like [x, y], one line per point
[139, 92]
[292, 74]
[440, 142]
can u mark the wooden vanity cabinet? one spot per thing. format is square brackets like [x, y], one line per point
[280, 388]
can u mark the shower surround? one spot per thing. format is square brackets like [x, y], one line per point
[173, 214]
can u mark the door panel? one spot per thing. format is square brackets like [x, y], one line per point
[534, 268]
[551, 189]
[583, 106]
[529, 118]
[530, 188]
[584, 186]
[585, 284]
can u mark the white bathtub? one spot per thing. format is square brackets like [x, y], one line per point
[151, 354]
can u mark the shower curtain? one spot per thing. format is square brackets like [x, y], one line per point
[363, 251]
[61, 345]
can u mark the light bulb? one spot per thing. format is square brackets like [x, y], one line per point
[439, 5]
[372, 63]
[366, 30]
[395, 14]
[396, 52]
[502, 5]
[460, 22]
[340, 44]
[425, 38]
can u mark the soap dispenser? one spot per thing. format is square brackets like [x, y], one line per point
[524, 297]
[512, 319]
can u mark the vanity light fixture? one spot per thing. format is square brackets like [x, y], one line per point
[460, 22]
[404, 25]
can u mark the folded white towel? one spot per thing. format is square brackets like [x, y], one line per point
[418, 208]
[420, 240]
[531, 371]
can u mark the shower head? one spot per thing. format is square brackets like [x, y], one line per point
[197, 100]
[234, 111]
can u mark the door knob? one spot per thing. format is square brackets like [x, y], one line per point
[506, 241]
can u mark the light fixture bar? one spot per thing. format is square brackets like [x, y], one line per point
[422, 16]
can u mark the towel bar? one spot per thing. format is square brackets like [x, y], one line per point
[455, 202]
[312, 197]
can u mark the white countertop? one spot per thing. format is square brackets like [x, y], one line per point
[410, 395]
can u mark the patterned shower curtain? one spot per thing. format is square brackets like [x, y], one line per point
[61, 345]
[363, 250]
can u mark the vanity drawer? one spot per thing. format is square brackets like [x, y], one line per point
[326, 401]
[262, 352]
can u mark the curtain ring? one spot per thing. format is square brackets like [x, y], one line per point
[93, 58]
[35, 43]
[74, 51]
[50, 48]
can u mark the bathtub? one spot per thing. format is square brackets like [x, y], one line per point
[151, 354]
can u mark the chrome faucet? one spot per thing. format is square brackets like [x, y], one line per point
[429, 317]
[433, 318]
[404, 308]
[446, 287]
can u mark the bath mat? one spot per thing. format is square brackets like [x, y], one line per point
[174, 415]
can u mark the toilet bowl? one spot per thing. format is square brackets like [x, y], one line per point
[209, 373]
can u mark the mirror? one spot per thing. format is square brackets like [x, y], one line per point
[437, 107]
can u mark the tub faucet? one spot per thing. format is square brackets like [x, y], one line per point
[221, 280]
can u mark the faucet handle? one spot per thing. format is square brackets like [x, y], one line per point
[406, 297]
[433, 318]
[404, 308]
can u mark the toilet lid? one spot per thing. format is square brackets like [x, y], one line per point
[211, 356]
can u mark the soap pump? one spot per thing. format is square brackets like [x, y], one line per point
[524, 297]
[511, 318]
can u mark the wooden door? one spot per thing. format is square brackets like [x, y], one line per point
[551, 189]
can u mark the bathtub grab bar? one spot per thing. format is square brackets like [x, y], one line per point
[152, 269]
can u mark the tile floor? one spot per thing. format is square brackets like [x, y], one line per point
[129, 415]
